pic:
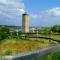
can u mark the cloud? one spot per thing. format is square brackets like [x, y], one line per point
[3, 1]
[54, 11]
[11, 8]
[35, 16]
[22, 11]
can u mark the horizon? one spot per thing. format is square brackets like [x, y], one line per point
[29, 26]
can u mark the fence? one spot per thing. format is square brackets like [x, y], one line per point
[40, 36]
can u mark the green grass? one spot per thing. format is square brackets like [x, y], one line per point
[54, 36]
[57, 37]
[53, 56]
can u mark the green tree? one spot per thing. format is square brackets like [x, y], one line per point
[55, 28]
[4, 32]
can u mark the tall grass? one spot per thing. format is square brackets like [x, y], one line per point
[13, 46]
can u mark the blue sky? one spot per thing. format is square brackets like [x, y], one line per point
[37, 5]
[41, 12]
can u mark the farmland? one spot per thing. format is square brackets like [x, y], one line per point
[11, 43]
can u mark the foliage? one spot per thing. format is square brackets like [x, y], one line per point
[53, 56]
[4, 32]
[55, 28]
[45, 30]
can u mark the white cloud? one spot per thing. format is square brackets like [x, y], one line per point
[11, 8]
[35, 16]
[47, 13]
[54, 11]
[3, 1]
[22, 11]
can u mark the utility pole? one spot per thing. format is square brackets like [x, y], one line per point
[36, 34]
[17, 33]
[50, 36]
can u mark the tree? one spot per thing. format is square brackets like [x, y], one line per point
[4, 32]
[55, 28]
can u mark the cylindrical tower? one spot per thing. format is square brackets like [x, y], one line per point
[25, 23]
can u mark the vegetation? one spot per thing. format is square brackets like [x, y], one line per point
[4, 33]
[53, 56]
[55, 29]
[15, 46]
[12, 43]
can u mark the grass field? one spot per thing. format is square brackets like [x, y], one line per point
[15, 46]
[54, 36]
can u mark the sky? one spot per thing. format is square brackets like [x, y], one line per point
[41, 12]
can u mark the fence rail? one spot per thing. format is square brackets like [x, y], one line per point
[40, 36]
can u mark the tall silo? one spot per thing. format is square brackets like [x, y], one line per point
[25, 23]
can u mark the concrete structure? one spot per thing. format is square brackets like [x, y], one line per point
[25, 23]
